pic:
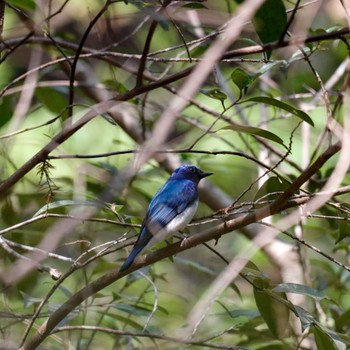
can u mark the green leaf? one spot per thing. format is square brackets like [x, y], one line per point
[108, 118]
[323, 340]
[256, 132]
[28, 300]
[344, 230]
[343, 321]
[268, 66]
[300, 289]
[162, 21]
[195, 5]
[133, 309]
[287, 107]
[275, 347]
[250, 265]
[272, 185]
[242, 79]
[7, 108]
[248, 41]
[274, 313]
[52, 98]
[216, 94]
[270, 21]
[115, 85]
[251, 270]
[243, 313]
[64, 203]
[125, 321]
[23, 4]
[199, 51]
[299, 55]
[305, 317]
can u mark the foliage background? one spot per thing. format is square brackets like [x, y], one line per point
[82, 198]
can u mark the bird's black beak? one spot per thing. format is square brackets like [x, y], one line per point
[203, 174]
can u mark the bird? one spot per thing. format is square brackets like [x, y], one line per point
[170, 210]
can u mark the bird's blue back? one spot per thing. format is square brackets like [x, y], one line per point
[172, 199]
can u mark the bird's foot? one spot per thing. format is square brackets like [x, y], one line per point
[184, 238]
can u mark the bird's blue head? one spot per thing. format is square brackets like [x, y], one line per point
[189, 172]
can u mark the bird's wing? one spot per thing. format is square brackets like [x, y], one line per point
[173, 198]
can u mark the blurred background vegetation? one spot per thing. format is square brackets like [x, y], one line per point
[43, 43]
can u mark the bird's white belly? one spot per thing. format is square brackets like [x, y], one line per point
[175, 225]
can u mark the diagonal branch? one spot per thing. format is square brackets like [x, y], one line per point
[148, 41]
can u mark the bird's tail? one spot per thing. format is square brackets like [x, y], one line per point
[130, 259]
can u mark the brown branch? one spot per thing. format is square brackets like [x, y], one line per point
[54, 273]
[77, 54]
[146, 48]
[201, 343]
[306, 175]
[148, 41]
[2, 18]
[290, 21]
[230, 54]
[292, 42]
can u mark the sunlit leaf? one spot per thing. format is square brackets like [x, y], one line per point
[217, 94]
[268, 66]
[242, 79]
[23, 4]
[285, 106]
[256, 132]
[252, 266]
[64, 203]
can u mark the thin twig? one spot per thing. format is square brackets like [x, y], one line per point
[54, 273]
[199, 343]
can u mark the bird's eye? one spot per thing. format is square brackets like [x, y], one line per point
[192, 169]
